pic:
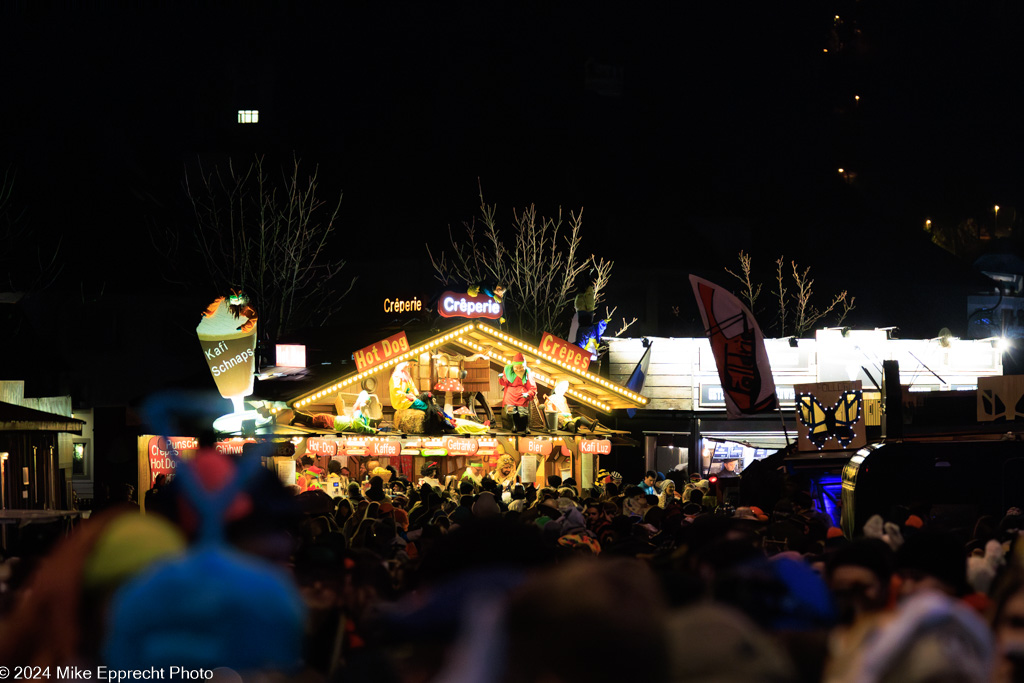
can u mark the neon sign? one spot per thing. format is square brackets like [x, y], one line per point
[462, 305]
[413, 305]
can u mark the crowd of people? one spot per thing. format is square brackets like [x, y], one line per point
[478, 577]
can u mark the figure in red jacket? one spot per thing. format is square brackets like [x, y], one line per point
[519, 389]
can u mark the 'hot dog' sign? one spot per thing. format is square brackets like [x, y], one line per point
[381, 351]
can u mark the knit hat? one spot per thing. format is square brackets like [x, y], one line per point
[128, 545]
[518, 359]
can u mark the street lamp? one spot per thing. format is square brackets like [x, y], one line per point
[996, 222]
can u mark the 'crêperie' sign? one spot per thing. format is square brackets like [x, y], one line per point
[462, 305]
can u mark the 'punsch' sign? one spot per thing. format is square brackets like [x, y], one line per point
[161, 452]
[568, 353]
[381, 351]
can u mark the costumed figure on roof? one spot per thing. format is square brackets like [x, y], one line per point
[519, 389]
[359, 422]
[404, 394]
[566, 421]
[406, 397]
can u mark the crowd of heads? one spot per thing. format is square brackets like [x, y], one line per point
[457, 578]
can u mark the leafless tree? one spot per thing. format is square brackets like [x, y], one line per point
[797, 314]
[750, 291]
[268, 237]
[541, 270]
[25, 265]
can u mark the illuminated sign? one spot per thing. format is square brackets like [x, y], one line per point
[290, 356]
[457, 446]
[232, 446]
[381, 351]
[567, 352]
[598, 446]
[462, 305]
[413, 305]
[383, 447]
[535, 446]
[161, 453]
[830, 416]
[712, 395]
[321, 447]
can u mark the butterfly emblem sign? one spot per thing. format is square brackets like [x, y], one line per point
[830, 416]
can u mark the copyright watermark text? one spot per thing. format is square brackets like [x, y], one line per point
[103, 673]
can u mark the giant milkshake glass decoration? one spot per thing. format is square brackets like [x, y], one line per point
[227, 333]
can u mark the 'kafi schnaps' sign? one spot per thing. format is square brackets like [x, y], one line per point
[381, 351]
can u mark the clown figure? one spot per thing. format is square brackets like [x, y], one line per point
[403, 389]
[519, 389]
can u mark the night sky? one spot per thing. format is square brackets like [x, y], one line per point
[687, 131]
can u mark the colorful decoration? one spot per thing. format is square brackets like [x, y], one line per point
[830, 416]
[227, 334]
[518, 390]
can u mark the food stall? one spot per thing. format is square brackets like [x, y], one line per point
[460, 366]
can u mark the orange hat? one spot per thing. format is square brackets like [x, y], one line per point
[914, 521]
[834, 532]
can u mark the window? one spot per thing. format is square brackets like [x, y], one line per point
[78, 459]
[248, 115]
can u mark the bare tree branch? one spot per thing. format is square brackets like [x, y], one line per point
[270, 238]
[540, 265]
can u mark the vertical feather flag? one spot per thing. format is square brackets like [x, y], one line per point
[639, 376]
[738, 345]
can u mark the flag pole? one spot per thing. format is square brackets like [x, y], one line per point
[782, 418]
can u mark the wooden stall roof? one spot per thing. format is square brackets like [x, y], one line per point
[478, 338]
[14, 418]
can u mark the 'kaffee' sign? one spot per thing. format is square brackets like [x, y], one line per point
[567, 352]
[381, 351]
[383, 447]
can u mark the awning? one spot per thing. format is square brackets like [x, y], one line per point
[15, 418]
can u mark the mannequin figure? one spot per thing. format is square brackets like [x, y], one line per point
[519, 389]
[404, 393]
[556, 403]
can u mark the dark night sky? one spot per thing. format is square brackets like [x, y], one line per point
[721, 128]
